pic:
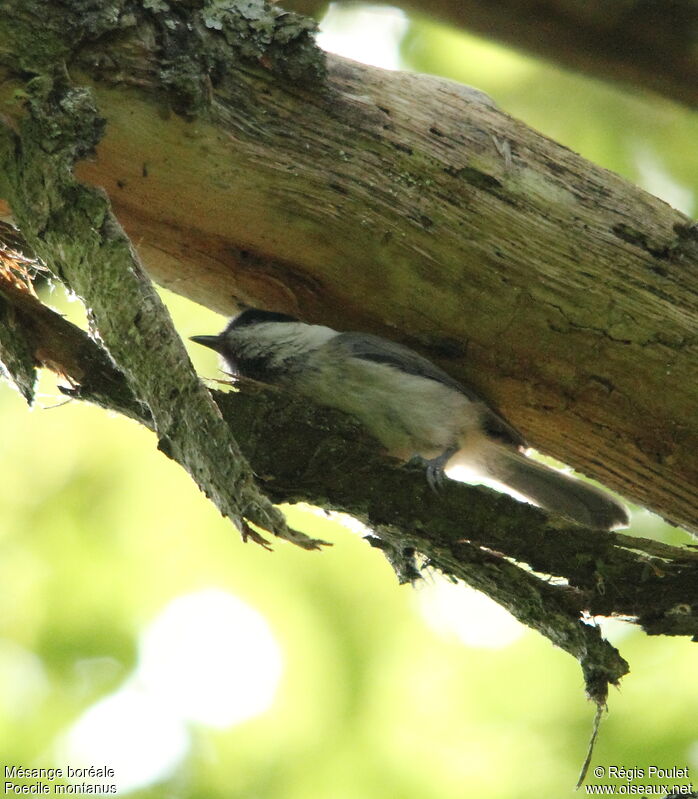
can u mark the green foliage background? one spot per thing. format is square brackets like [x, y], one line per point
[99, 532]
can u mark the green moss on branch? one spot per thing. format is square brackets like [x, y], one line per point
[194, 44]
[72, 229]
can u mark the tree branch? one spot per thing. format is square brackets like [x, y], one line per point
[648, 45]
[404, 201]
[72, 228]
[411, 207]
[317, 455]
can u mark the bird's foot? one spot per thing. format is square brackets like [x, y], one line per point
[435, 467]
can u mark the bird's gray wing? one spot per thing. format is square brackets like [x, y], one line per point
[380, 350]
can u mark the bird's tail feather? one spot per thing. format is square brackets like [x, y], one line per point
[557, 492]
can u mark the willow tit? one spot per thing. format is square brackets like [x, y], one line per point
[410, 405]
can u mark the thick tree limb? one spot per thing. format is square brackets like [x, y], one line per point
[408, 206]
[422, 175]
[650, 45]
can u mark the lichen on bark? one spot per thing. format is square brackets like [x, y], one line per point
[261, 32]
[465, 543]
[196, 42]
[71, 227]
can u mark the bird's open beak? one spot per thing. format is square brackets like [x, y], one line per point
[212, 342]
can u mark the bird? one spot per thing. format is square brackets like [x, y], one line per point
[411, 406]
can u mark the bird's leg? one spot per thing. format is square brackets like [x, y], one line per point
[435, 466]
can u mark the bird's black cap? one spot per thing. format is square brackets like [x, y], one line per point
[251, 316]
[256, 316]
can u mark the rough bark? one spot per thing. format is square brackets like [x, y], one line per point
[390, 202]
[315, 455]
[412, 207]
[72, 229]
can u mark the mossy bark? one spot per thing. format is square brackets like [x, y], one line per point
[402, 204]
[72, 229]
[408, 206]
[317, 455]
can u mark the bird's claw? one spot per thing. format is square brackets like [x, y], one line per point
[435, 475]
[435, 467]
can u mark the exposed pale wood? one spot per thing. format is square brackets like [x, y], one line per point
[399, 203]
[412, 207]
